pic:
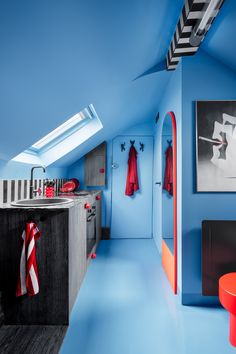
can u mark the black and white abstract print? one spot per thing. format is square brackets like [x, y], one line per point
[216, 146]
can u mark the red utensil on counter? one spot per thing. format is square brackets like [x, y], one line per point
[76, 181]
[69, 186]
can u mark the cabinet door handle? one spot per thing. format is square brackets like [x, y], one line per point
[159, 183]
[90, 217]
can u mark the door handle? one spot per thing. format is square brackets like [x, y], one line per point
[159, 183]
[114, 165]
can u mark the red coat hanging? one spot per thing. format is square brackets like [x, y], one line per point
[168, 178]
[132, 174]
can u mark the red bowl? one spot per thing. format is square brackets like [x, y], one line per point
[77, 182]
[68, 186]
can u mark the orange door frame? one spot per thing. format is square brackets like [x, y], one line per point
[169, 261]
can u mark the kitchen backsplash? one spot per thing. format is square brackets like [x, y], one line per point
[12, 190]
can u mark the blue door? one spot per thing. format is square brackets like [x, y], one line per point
[132, 216]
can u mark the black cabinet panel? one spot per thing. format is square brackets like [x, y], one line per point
[61, 260]
[218, 253]
[50, 306]
[18, 339]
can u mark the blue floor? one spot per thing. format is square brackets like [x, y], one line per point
[126, 306]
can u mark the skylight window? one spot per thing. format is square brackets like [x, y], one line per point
[64, 139]
[66, 128]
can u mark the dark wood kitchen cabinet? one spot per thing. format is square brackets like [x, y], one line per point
[95, 166]
[61, 261]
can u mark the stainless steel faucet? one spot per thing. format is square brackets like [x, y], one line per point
[32, 191]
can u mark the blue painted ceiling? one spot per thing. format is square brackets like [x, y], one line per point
[59, 56]
[220, 40]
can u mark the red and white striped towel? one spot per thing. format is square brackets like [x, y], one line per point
[28, 280]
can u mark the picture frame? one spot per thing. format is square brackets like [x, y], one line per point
[216, 145]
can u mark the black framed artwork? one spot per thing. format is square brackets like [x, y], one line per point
[216, 146]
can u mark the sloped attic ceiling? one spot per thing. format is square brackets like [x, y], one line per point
[58, 56]
[220, 40]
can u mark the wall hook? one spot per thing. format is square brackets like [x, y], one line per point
[132, 142]
[169, 142]
[157, 117]
[122, 147]
[141, 147]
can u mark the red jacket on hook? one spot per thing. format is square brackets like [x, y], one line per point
[132, 174]
[168, 178]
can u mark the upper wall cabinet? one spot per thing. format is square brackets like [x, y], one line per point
[95, 166]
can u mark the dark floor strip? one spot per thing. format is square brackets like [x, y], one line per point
[31, 339]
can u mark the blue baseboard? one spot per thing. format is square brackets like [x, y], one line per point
[189, 299]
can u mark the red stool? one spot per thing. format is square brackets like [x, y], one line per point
[227, 296]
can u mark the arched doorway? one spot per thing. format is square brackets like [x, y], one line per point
[169, 199]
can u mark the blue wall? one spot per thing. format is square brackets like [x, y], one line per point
[171, 101]
[200, 77]
[132, 216]
[17, 170]
[77, 169]
[204, 78]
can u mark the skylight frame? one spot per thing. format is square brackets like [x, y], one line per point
[63, 130]
[65, 143]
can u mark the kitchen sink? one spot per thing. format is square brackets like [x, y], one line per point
[39, 202]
